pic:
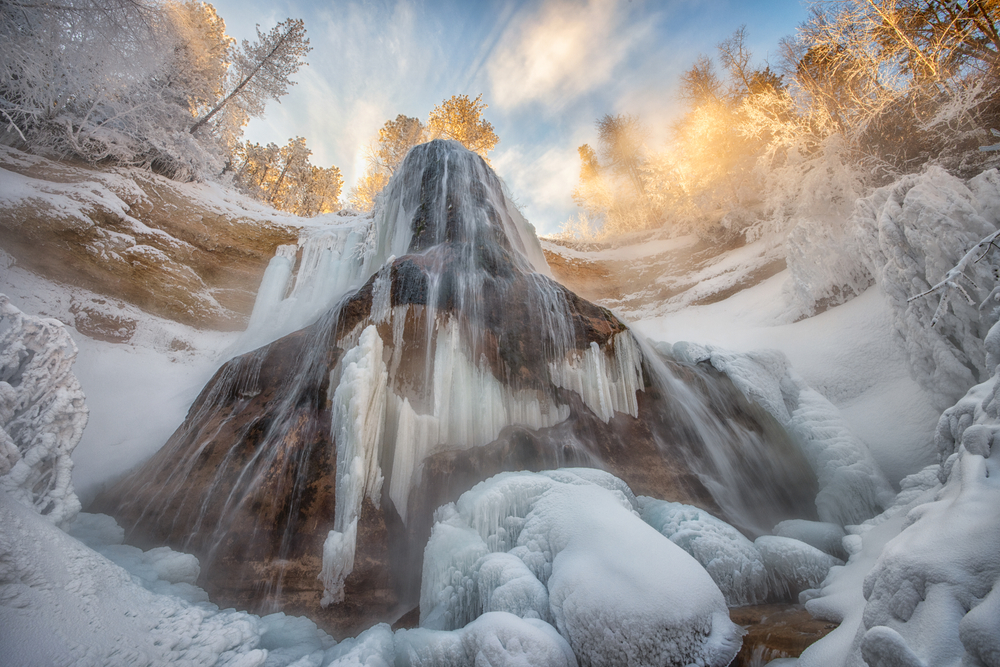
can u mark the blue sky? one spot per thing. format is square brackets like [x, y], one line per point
[548, 69]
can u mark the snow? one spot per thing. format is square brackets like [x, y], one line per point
[910, 234]
[849, 354]
[746, 572]
[732, 560]
[601, 566]
[928, 563]
[827, 537]
[63, 603]
[137, 391]
[627, 252]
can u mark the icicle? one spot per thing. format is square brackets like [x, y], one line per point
[359, 406]
[605, 386]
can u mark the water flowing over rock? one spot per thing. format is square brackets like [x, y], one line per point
[438, 353]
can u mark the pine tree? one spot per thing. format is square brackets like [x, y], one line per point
[261, 71]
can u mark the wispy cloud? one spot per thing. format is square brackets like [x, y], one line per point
[562, 50]
[541, 181]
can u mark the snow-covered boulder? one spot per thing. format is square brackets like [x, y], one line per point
[769, 568]
[618, 592]
[42, 413]
[731, 559]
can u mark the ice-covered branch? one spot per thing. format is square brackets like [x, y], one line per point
[951, 278]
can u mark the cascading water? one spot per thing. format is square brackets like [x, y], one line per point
[439, 353]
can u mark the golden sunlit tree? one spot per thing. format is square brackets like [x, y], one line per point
[613, 186]
[283, 177]
[363, 194]
[395, 140]
[457, 118]
[460, 118]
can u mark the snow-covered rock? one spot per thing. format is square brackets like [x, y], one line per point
[42, 413]
[771, 567]
[618, 592]
[731, 559]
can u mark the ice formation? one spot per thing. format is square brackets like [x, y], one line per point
[852, 487]
[303, 281]
[726, 554]
[582, 546]
[358, 415]
[920, 587]
[606, 386]
[827, 537]
[42, 413]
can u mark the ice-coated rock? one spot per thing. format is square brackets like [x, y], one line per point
[731, 559]
[852, 487]
[581, 540]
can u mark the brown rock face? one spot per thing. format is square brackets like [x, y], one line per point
[139, 238]
[249, 483]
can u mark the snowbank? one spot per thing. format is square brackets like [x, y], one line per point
[139, 378]
[63, 603]
[906, 236]
[920, 586]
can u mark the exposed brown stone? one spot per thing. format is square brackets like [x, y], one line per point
[776, 631]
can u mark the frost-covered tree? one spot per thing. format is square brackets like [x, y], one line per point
[125, 81]
[363, 194]
[461, 119]
[284, 177]
[321, 193]
[199, 58]
[395, 139]
[261, 70]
